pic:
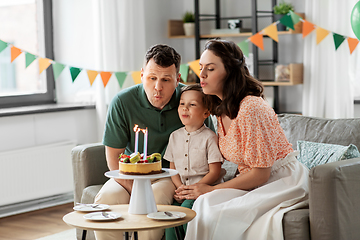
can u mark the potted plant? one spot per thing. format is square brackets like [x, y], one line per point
[189, 23]
[279, 11]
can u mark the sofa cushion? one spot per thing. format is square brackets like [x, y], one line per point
[296, 225]
[313, 154]
[89, 193]
[333, 131]
[231, 170]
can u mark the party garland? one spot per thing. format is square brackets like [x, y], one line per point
[289, 20]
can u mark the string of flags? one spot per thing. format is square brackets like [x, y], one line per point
[289, 20]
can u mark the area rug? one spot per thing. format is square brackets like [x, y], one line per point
[65, 235]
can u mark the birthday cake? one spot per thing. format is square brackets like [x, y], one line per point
[135, 164]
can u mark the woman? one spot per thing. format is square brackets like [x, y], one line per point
[270, 181]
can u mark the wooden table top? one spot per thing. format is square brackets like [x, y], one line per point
[129, 222]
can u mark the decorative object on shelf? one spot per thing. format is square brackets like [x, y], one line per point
[287, 75]
[189, 23]
[282, 73]
[234, 23]
[355, 19]
[280, 11]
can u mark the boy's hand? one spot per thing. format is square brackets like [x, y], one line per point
[193, 191]
[178, 199]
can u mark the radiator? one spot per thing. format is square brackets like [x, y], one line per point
[35, 173]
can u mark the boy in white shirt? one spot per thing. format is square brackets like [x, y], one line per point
[193, 149]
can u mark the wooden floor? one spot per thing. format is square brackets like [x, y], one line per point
[36, 224]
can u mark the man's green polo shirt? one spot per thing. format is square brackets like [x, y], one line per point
[130, 107]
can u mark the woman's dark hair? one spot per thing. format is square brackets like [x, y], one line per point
[197, 87]
[164, 56]
[238, 82]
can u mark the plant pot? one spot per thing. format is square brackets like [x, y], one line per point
[280, 27]
[189, 29]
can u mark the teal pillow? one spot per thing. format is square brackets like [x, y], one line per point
[313, 154]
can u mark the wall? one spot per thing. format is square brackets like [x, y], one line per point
[31, 130]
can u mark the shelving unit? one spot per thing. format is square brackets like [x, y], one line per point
[175, 30]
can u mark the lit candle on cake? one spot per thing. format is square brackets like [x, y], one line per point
[136, 130]
[145, 131]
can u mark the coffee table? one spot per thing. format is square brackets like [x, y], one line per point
[129, 222]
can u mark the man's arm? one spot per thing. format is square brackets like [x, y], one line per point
[112, 159]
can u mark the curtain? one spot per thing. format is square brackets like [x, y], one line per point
[329, 75]
[120, 46]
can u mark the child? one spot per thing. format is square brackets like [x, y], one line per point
[193, 149]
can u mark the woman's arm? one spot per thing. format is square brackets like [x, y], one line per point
[247, 181]
[213, 174]
[176, 178]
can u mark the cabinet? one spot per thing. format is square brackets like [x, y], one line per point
[175, 31]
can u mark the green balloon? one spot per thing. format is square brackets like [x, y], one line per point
[355, 19]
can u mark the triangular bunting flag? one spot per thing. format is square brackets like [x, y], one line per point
[15, 52]
[353, 42]
[272, 32]
[338, 40]
[136, 77]
[29, 58]
[194, 65]
[287, 21]
[320, 34]
[121, 76]
[244, 46]
[44, 63]
[74, 73]
[105, 76]
[92, 75]
[257, 39]
[3, 45]
[184, 71]
[294, 17]
[308, 27]
[57, 69]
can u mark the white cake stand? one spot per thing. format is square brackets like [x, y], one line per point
[142, 199]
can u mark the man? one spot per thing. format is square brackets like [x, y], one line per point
[152, 104]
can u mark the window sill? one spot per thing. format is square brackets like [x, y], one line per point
[46, 108]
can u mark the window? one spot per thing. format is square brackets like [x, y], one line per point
[27, 25]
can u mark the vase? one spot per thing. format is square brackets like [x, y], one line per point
[280, 26]
[189, 29]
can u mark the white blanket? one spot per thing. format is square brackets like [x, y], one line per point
[256, 214]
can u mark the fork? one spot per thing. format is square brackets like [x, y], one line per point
[93, 205]
[171, 215]
[106, 215]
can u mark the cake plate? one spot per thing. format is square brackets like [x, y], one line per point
[142, 200]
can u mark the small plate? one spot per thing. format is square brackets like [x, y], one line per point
[163, 216]
[91, 207]
[99, 216]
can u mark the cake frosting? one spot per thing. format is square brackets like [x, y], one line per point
[135, 165]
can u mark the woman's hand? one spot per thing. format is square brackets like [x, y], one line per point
[193, 191]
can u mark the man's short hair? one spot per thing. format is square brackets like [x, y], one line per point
[164, 56]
